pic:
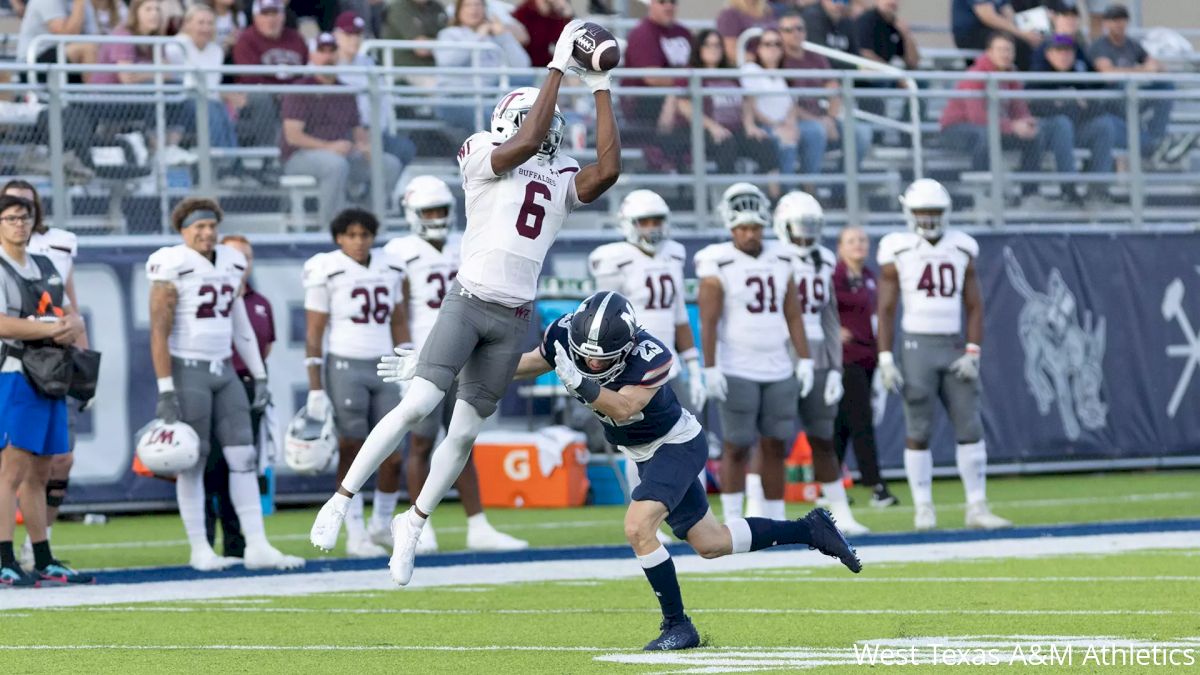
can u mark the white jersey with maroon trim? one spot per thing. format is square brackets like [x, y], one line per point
[358, 299]
[931, 278]
[59, 246]
[206, 289]
[429, 272]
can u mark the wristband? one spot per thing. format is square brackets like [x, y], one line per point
[972, 349]
[589, 390]
[166, 384]
[692, 354]
[313, 361]
[886, 358]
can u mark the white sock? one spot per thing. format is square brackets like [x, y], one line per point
[355, 526]
[654, 558]
[478, 521]
[835, 493]
[243, 492]
[739, 534]
[385, 507]
[731, 505]
[450, 456]
[189, 493]
[918, 467]
[422, 397]
[971, 459]
[775, 509]
[754, 489]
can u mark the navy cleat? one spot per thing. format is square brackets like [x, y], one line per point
[827, 539]
[675, 635]
[13, 575]
[57, 572]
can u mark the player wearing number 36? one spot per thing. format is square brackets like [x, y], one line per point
[519, 191]
[196, 313]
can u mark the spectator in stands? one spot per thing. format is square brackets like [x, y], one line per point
[973, 21]
[768, 110]
[196, 47]
[267, 42]
[324, 137]
[544, 21]
[828, 23]
[964, 120]
[230, 20]
[145, 19]
[348, 31]
[1064, 20]
[1115, 52]
[738, 16]
[414, 20]
[109, 15]
[471, 24]
[820, 126]
[658, 41]
[884, 37]
[58, 17]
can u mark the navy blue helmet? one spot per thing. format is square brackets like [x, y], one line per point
[603, 328]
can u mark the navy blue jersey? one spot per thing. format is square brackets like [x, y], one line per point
[648, 365]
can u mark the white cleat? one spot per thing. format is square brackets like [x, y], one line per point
[428, 542]
[980, 517]
[205, 559]
[925, 518]
[361, 546]
[379, 533]
[490, 539]
[266, 557]
[406, 532]
[847, 524]
[325, 528]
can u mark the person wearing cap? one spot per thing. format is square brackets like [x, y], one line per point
[659, 41]
[348, 30]
[1064, 20]
[414, 20]
[324, 137]
[267, 42]
[543, 21]
[472, 24]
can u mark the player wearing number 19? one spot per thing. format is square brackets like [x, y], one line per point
[932, 270]
[196, 313]
[519, 191]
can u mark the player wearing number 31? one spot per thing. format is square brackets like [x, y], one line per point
[196, 313]
[519, 191]
[932, 270]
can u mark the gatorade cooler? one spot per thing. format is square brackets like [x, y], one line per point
[800, 486]
[545, 468]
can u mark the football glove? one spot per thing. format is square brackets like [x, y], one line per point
[568, 373]
[596, 81]
[805, 375]
[833, 387]
[167, 409]
[317, 404]
[398, 368]
[696, 389]
[966, 367]
[714, 382]
[262, 395]
[889, 374]
[564, 49]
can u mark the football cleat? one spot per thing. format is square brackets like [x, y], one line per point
[675, 635]
[428, 542]
[57, 572]
[827, 539]
[925, 518]
[980, 517]
[325, 528]
[18, 578]
[379, 533]
[205, 559]
[263, 556]
[361, 546]
[881, 497]
[488, 538]
[406, 533]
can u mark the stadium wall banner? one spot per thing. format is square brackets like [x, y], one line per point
[1090, 356]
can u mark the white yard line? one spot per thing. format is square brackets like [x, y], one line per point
[804, 579]
[167, 609]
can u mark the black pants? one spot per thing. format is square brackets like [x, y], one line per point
[217, 503]
[854, 422]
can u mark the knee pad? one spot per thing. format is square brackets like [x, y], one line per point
[56, 492]
[241, 458]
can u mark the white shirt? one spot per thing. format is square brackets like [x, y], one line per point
[203, 327]
[429, 273]
[753, 341]
[512, 220]
[931, 278]
[759, 85]
[184, 52]
[358, 299]
[653, 284]
[60, 246]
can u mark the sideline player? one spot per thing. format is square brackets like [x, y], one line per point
[617, 369]
[354, 292]
[196, 314]
[933, 270]
[749, 312]
[799, 221]
[519, 192]
[429, 260]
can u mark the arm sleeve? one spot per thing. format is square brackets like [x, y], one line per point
[475, 158]
[244, 341]
[831, 325]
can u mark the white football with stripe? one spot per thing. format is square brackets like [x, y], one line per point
[597, 49]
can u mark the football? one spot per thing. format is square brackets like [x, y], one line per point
[597, 49]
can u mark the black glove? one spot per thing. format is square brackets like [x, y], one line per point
[168, 407]
[262, 396]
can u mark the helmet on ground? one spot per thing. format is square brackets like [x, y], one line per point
[799, 220]
[510, 112]
[926, 208]
[744, 204]
[642, 205]
[310, 444]
[602, 328]
[168, 449]
[427, 193]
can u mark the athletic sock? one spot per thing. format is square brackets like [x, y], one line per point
[7, 557]
[918, 467]
[971, 459]
[765, 533]
[731, 505]
[189, 493]
[247, 503]
[41, 554]
[754, 488]
[775, 509]
[835, 493]
[355, 527]
[385, 507]
[660, 572]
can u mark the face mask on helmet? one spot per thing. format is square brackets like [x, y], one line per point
[433, 223]
[745, 208]
[650, 231]
[600, 340]
[928, 222]
[554, 136]
[805, 231]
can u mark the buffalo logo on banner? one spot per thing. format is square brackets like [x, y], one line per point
[1173, 311]
[1063, 357]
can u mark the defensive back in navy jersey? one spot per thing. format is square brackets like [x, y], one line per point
[648, 365]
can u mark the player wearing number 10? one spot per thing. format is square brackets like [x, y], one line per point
[519, 192]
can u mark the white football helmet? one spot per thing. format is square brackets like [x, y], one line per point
[310, 445]
[510, 112]
[799, 218]
[423, 193]
[168, 449]
[929, 197]
[639, 205]
[744, 204]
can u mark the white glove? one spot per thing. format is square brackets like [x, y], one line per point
[714, 382]
[398, 368]
[317, 404]
[833, 387]
[805, 375]
[596, 81]
[966, 367]
[565, 368]
[889, 374]
[696, 389]
[564, 49]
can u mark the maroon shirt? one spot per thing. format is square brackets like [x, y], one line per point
[810, 61]
[856, 306]
[651, 45]
[543, 31]
[254, 49]
[329, 117]
[263, 321]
